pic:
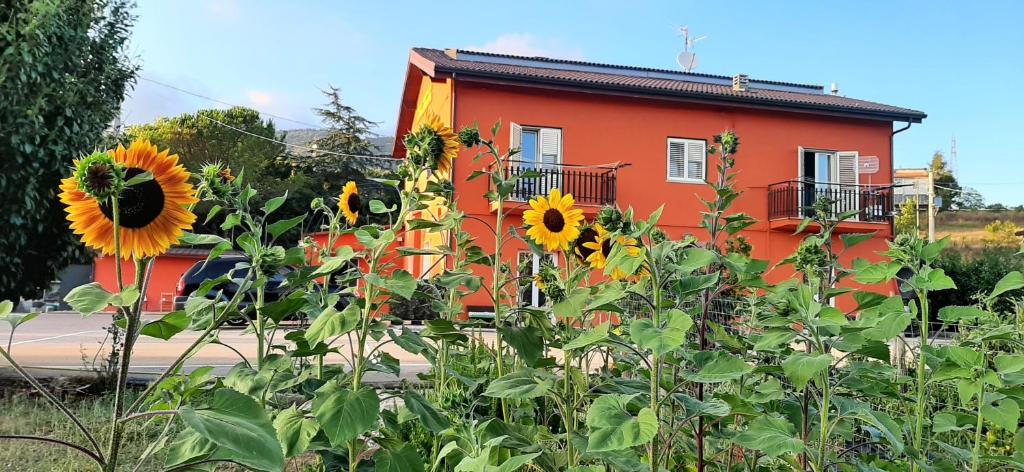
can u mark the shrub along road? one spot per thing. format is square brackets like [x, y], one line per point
[59, 343]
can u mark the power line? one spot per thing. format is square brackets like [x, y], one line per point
[297, 146]
[222, 102]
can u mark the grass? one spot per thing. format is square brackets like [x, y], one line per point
[966, 229]
[25, 412]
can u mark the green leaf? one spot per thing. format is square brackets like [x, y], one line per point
[167, 326]
[772, 435]
[295, 431]
[572, 306]
[934, 279]
[191, 239]
[613, 427]
[718, 366]
[853, 239]
[877, 273]
[403, 459]
[88, 299]
[329, 265]
[331, 323]
[946, 422]
[401, 283]
[278, 228]
[1005, 413]
[1012, 281]
[15, 319]
[521, 385]
[428, 415]
[1009, 363]
[378, 207]
[592, 336]
[344, 415]
[138, 179]
[775, 338]
[953, 313]
[526, 340]
[661, 341]
[274, 203]
[239, 425]
[801, 367]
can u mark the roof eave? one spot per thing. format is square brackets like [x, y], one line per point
[689, 96]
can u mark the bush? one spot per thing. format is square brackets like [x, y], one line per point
[974, 274]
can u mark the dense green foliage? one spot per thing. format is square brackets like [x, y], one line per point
[975, 274]
[63, 74]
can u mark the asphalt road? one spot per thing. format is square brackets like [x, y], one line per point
[59, 343]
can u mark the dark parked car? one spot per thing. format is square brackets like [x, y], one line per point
[197, 274]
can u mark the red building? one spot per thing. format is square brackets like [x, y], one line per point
[637, 137]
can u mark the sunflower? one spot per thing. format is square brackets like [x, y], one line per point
[444, 146]
[553, 221]
[587, 235]
[349, 202]
[601, 248]
[153, 213]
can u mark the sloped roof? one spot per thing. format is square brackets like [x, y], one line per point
[660, 82]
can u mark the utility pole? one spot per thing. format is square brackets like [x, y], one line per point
[931, 205]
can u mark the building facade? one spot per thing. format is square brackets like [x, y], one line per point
[637, 137]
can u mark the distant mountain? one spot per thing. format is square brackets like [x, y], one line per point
[304, 137]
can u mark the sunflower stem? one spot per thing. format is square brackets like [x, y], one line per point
[133, 315]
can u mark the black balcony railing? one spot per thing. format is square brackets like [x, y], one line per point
[795, 198]
[588, 185]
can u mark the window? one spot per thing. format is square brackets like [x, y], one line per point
[528, 265]
[687, 160]
[539, 147]
[832, 175]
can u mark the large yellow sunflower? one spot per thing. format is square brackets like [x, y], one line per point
[153, 214]
[349, 202]
[553, 221]
[601, 248]
[445, 145]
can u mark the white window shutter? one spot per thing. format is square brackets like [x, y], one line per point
[696, 158]
[550, 146]
[847, 168]
[516, 141]
[676, 159]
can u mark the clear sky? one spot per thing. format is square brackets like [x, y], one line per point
[960, 62]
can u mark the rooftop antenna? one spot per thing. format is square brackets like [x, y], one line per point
[688, 59]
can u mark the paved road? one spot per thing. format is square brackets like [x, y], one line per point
[54, 342]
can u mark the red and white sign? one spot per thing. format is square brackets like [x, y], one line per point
[868, 165]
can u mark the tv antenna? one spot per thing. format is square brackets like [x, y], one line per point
[688, 59]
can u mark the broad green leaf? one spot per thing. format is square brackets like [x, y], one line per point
[432, 419]
[401, 283]
[295, 431]
[592, 336]
[772, 435]
[695, 258]
[853, 239]
[16, 319]
[934, 279]
[613, 427]
[963, 356]
[870, 274]
[88, 299]
[888, 326]
[520, 385]
[953, 313]
[1005, 413]
[718, 366]
[378, 207]
[658, 340]
[6, 307]
[331, 323]
[274, 203]
[191, 239]
[239, 425]
[167, 326]
[775, 338]
[1009, 363]
[329, 265]
[278, 228]
[402, 459]
[526, 340]
[444, 329]
[572, 306]
[344, 415]
[946, 422]
[1012, 281]
[801, 367]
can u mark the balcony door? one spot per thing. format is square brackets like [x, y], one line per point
[540, 150]
[527, 265]
[832, 175]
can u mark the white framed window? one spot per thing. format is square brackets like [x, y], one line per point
[687, 160]
[539, 146]
[528, 265]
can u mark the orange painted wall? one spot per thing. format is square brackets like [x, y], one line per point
[601, 129]
[167, 269]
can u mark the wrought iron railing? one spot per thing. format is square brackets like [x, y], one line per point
[588, 185]
[796, 198]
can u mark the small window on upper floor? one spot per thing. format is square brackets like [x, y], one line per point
[687, 160]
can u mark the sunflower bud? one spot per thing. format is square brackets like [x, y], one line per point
[218, 179]
[469, 137]
[316, 203]
[99, 176]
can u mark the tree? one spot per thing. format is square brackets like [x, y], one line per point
[970, 199]
[906, 220]
[239, 138]
[64, 72]
[347, 130]
[946, 186]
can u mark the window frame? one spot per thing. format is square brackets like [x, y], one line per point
[668, 161]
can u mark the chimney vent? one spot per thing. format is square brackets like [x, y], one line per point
[741, 83]
[835, 88]
[452, 53]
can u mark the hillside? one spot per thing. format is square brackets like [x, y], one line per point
[303, 137]
[967, 228]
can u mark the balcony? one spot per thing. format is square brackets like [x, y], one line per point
[589, 185]
[791, 201]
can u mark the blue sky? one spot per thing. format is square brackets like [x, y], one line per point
[962, 63]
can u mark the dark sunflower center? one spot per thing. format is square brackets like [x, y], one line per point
[588, 235]
[99, 178]
[553, 220]
[139, 204]
[353, 202]
[606, 247]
